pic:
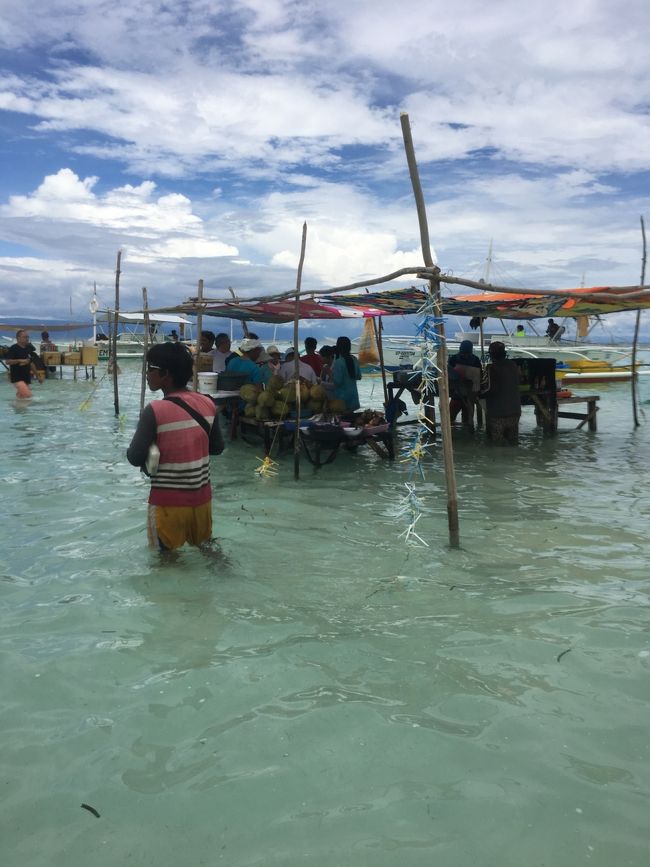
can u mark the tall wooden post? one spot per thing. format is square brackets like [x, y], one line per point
[637, 326]
[116, 316]
[199, 328]
[443, 381]
[296, 357]
[145, 347]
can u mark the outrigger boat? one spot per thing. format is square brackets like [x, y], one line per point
[130, 341]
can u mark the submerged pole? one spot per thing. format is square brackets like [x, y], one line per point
[116, 316]
[637, 326]
[443, 381]
[296, 357]
[145, 347]
[199, 328]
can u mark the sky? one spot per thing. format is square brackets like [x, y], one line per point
[197, 137]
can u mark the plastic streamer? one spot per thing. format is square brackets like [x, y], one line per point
[411, 505]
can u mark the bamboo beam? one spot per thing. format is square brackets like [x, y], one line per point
[443, 383]
[637, 326]
[296, 356]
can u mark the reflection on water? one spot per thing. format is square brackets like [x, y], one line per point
[312, 690]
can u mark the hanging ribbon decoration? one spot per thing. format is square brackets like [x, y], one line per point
[411, 505]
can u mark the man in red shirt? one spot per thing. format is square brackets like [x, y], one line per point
[311, 357]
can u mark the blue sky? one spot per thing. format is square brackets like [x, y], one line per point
[197, 137]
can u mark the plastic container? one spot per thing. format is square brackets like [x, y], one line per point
[207, 383]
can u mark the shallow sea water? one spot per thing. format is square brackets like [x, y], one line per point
[316, 691]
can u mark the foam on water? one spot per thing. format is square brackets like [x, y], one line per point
[314, 690]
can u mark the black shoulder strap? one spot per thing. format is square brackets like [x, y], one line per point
[191, 411]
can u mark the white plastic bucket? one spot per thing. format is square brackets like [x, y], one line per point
[207, 383]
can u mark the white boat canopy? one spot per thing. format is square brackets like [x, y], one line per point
[138, 318]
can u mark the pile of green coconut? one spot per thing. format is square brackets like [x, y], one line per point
[277, 400]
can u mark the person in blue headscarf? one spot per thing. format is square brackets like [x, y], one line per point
[465, 372]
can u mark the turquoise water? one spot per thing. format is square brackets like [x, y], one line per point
[320, 692]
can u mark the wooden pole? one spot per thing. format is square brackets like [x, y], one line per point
[296, 356]
[637, 327]
[443, 381]
[378, 327]
[244, 324]
[199, 328]
[145, 347]
[116, 395]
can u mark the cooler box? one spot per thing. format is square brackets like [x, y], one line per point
[89, 355]
[71, 358]
[231, 381]
[51, 359]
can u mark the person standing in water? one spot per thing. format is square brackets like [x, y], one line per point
[182, 426]
[345, 374]
[19, 359]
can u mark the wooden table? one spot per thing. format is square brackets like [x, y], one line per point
[549, 408]
[588, 417]
[75, 367]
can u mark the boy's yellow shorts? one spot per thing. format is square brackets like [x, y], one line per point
[170, 527]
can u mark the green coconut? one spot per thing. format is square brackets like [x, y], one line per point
[279, 409]
[248, 393]
[317, 392]
[261, 413]
[304, 392]
[315, 405]
[288, 394]
[265, 398]
[249, 410]
[275, 383]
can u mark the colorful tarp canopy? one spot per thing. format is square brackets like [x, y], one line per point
[402, 302]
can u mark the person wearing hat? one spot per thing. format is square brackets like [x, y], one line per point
[246, 362]
[270, 360]
[501, 393]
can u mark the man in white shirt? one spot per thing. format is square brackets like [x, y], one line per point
[288, 368]
[221, 353]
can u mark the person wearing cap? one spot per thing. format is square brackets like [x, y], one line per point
[311, 357]
[288, 369]
[246, 362]
[222, 353]
[501, 393]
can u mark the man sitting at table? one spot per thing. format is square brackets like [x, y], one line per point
[247, 362]
[288, 369]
